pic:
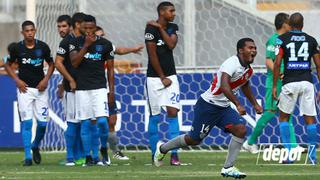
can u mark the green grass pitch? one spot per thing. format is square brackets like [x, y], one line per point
[198, 165]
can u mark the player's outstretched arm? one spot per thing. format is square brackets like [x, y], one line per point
[154, 60]
[170, 40]
[61, 68]
[276, 71]
[226, 90]
[126, 50]
[246, 89]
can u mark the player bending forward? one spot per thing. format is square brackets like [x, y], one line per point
[213, 108]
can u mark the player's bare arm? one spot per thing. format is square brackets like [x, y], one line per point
[171, 41]
[126, 50]
[110, 72]
[22, 86]
[152, 52]
[61, 68]
[246, 89]
[276, 74]
[76, 57]
[226, 90]
[43, 84]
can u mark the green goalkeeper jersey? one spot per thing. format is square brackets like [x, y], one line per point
[270, 54]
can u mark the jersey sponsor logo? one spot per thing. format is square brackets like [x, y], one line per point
[61, 50]
[298, 65]
[298, 38]
[34, 62]
[148, 36]
[278, 41]
[38, 52]
[95, 56]
[160, 42]
[99, 48]
[71, 47]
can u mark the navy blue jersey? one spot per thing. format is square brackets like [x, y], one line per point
[165, 54]
[63, 51]
[91, 72]
[31, 61]
[297, 48]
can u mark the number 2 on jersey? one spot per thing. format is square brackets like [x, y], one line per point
[302, 52]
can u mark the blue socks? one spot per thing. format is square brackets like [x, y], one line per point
[103, 130]
[26, 137]
[312, 139]
[70, 136]
[173, 130]
[78, 149]
[153, 132]
[41, 130]
[94, 141]
[285, 134]
[86, 136]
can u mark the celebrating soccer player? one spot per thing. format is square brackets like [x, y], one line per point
[282, 26]
[162, 83]
[32, 94]
[89, 54]
[213, 108]
[63, 65]
[297, 48]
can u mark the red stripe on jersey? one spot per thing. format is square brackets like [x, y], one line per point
[280, 51]
[214, 83]
[244, 78]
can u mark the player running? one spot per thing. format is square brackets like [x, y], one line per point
[32, 83]
[213, 108]
[297, 48]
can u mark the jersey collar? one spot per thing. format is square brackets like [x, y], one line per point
[242, 63]
[296, 31]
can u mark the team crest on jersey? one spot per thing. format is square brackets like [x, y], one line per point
[38, 52]
[148, 36]
[99, 48]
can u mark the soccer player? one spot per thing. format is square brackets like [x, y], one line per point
[282, 26]
[32, 83]
[162, 83]
[88, 55]
[213, 108]
[63, 65]
[113, 140]
[297, 48]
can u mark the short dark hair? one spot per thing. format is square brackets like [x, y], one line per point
[163, 5]
[90, 18]
[27, 23]
[11, 46]
[280, 19]
[65, 18]
[296, 20]
[98, 28]
[77, 18]
[242, 42]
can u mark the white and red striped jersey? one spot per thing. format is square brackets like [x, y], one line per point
[240, 75]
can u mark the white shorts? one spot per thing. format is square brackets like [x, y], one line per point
[69, 106]
[159, 97]
[91, 104]
[33, 104]
[290, 93]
